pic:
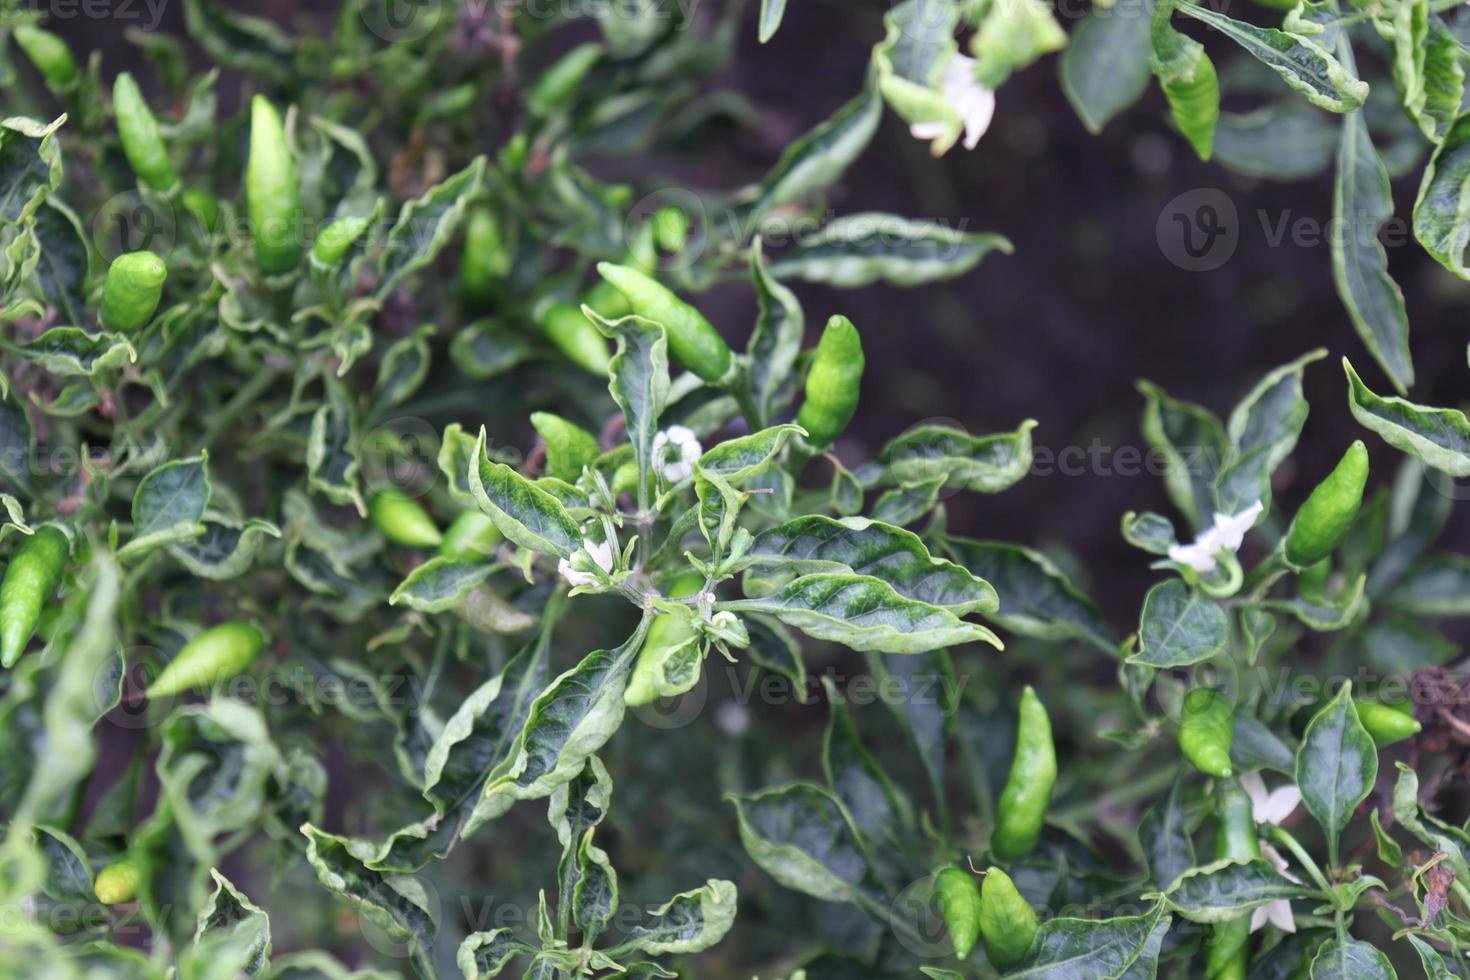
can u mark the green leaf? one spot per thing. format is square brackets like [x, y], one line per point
[983, 464]
[1442, 210]
[1303, 64]
[488, 349]
[524, 512]
[798, 836]
[911, 61]
[572, 719]
[1224, 890]
[456, 455]
[1351, 959]
[879, 812]
[68, 872]
[1163, 837]
[483, 955]
[233, 929]
[639, 383]
[1255, 746]
[1150, 532]
[1362, 202]
[17, 441]
[1123, 948]
[864, 613]
[30, 165]
[226, 549]
[860, 249]
[1192, 443]
[820, 158]
[1426, 67]
[690, 922]
[1104, 68]
[745, 457]
[1440, 437]
[1263, 430]
[771, 13]
[1435, 967]
[438, 584]
[1336, 765]
[169, 504]
[863, 547]
[404, 366]
[1286, 140]
[215, 769]
[72, 352]
[1439, 587]
[397, 904]
[64, 269]
[1011, 37]
[775, 342]
[1180, 626]
[426, 225]
[1036, 598]
[332, 466]
[254, 45]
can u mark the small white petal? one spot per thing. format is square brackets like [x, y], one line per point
[1230, 531]
[676, 472]
[573, 576]
[927, 131]
[682, 435]
[977, 118]
[1197, 557]
[1258, 918]
[600, 552]
[1255, 788]
[1274, 856]
[1278, 913]
[1279, 805]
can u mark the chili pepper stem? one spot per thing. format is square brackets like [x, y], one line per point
[1281, 836]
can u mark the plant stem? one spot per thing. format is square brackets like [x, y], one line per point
[1285, 839]
[247, 394]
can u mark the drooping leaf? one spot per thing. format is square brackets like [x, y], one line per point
[426, 225]
[1036, 598]
[860, 249]
[1104, 68]
[1440, 437]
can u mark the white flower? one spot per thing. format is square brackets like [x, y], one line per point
[971, 101]
[1225, 534]
[1272, 808]
[675, 451]
[601, 554]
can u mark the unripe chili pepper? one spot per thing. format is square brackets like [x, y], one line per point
[1007, 921]
[1329, 511]
[670, 228]
[958, 898]
[1227, 954]
[134, 287]
[1386, 724]
[272, 192]
[472, 536]
[1206, 731]
[693, 340]
[216, 655]
[1022, 807]
[558, 82]
[666, 633]
[833, 383]
[142, 143]
[49, 53]
[117, 883]
[404, 521]
[484, 264]
[607, 301]
[31, 577]
[575, 336]
[331, 246]
[569, 447]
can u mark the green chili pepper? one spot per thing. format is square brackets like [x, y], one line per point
[607, 301]
[959, 905]
[1206, 731]
[49, 53]
[1227, 953]
[332, 244]
[1386, 724]
[576, 337]
[693, 340]
[141, 142]
[569, 447]
[272, 192]
[404, 521]
[216, 655]
[471, 537]
[134, 287]
[670, 228]
[30, 578]
[1022, 807]
[558, 82]
[666, 635]
[484, 263]
[1329, 511]
[1007, 921]
[832, 383]
[117, 883]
